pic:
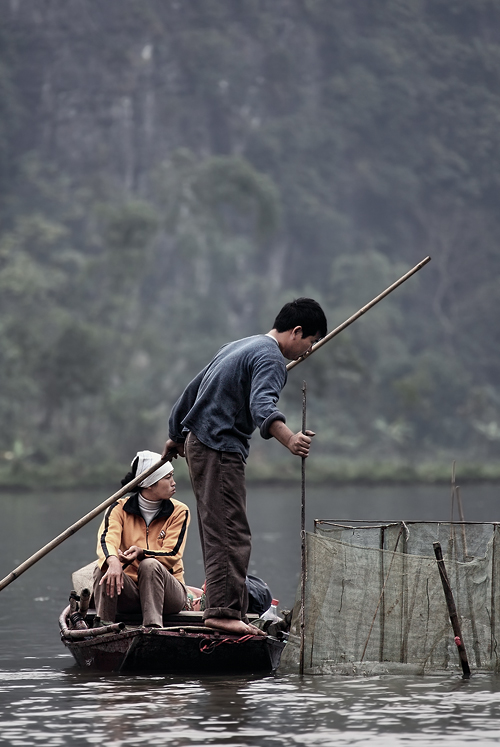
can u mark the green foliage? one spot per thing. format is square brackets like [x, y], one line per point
[228, 182]
[128, 229]
[171, 173]
[73, 367]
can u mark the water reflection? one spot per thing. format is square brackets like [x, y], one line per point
[46, 700]
[54, 708]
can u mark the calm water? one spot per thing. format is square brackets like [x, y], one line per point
[46, 700]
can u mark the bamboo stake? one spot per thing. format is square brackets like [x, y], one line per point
[462, 520]
[452, 611]
[359, 313]
[303, 541]
[452, 540]
[80, 523]
[455, 494]
[453, 488]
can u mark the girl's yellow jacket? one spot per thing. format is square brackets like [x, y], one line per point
[164, 539]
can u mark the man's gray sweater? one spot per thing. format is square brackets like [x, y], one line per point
[236, 393]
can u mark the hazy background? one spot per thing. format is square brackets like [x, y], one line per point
[173, 171]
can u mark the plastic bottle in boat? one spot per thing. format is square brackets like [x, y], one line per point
[272, 612]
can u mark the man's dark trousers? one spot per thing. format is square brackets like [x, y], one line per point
[218, 480]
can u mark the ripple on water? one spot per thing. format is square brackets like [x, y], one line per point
[53, 707]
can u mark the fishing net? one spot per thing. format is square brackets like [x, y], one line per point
[374, 600]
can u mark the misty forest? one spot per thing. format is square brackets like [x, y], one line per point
[173, 171]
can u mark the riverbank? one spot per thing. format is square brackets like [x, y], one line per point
[70, 474]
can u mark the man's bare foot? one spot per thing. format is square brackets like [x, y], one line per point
[229, 625]
[255, 630]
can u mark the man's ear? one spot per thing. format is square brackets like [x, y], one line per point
[297, 332]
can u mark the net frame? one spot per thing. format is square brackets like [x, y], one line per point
[374, 602]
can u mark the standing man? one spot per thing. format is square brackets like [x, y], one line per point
[211, 424]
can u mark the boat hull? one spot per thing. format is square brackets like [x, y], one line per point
[167, 651]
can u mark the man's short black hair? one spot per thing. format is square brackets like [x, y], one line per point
[305, 313]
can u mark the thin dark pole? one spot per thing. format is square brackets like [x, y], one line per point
[303, 539]
[452, 611]
[453, 486]
[462, 520]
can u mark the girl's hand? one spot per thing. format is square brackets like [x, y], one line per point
[131, 554]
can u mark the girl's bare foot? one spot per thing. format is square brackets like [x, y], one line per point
[229, 625]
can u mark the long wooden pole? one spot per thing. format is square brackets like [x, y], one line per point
[452, 611]
[303, 542]
[359, 313]
[79, 524]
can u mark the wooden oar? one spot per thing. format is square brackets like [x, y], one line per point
[359, 313]
[79, 524]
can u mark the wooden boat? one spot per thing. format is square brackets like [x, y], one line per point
[183, 645]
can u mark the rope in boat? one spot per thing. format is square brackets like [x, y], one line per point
[208, 645]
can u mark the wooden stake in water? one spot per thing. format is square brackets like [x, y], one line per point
[452, 611]
[303, 540]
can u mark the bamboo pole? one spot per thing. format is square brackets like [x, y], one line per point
[452, 611]
[303, 541]
[359, 313]
[80, 523]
